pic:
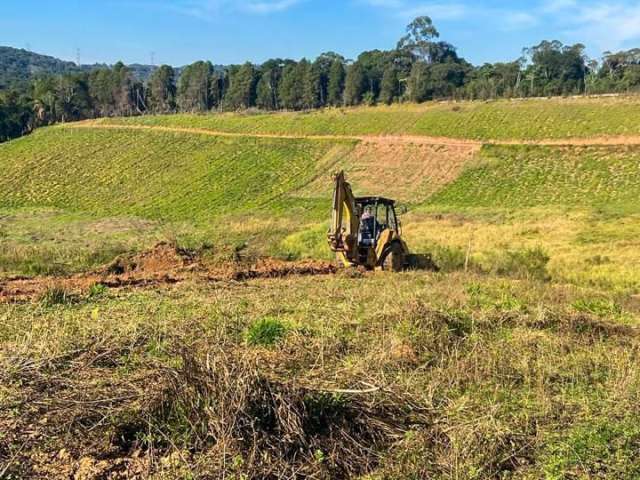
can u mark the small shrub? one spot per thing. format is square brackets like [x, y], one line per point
[97, 290]
[598, 307]
[448, 259]
[482, 297]
[309, 243]
[600, 448]
[369, 99]
[528, 264]
[266, 332]
[56, 295]
[598, 260]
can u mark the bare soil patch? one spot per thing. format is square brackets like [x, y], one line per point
[162, 265]
[407, 170]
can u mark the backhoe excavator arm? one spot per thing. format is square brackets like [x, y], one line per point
[345, 222]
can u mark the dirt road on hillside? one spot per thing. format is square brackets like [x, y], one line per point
[613, 140]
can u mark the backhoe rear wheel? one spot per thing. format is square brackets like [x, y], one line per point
[394, 259]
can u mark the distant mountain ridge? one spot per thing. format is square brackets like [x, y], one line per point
[18, 67]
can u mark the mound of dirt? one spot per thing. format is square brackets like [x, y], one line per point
[164, 264]
[162, 258]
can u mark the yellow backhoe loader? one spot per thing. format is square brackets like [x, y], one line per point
[365, 231]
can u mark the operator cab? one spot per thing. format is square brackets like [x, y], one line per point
[377, 214]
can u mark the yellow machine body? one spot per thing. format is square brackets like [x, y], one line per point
[365, 231]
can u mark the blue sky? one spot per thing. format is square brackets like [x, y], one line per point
[232, 31]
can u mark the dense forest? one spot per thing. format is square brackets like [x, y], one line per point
[420, 68]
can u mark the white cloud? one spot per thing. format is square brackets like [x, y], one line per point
[266, 6]
[553, 6]
[407, 9]
[207, 9]
[518, 20]
[607, 25]
[437, 11]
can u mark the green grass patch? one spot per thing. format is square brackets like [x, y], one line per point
[266, 332]
[529, 176]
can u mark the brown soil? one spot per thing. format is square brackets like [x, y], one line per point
[162, 265]
[406, 170]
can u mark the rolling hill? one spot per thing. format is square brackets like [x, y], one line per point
[18, 67]
[267, 177]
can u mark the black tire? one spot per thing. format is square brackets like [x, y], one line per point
[394, 259]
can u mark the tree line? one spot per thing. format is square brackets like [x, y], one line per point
[420, 68]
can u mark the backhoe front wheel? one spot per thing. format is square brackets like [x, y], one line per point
[394, 259]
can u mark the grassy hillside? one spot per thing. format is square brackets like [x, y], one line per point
[156, 175]
[525, 176]
[107, 191]
[518, 359]
[500, 120]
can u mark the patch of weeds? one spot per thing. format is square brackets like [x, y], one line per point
[526, 264]
[57, 295]
[485, 299]
[310, 243]
[597, 306]
[448, 259]
[603, 449]
[97, 290]
[459, 323]
[103, 256]
[324, 409]
[266, 332]
[598, 260]
[530, 232]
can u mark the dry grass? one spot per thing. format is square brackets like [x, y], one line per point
[457, 376]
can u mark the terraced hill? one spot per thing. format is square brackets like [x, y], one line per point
[264, 180]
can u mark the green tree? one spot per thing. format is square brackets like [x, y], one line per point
[311, 88]
[419, 38]
[291, 88]
[335, 83]
[218, 88]
[390, 86]
[16, 115]
[267, 88]
[45, 100]
[354, 85]
[124, 90]
[418, 85]
[556, 69]
[102, 85]
[322, 66]
[73, 101]
[162, 90]
[194, 87]
[241, 93]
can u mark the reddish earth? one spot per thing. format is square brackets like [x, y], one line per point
[164, 264]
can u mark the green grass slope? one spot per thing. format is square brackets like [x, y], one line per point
[100, 187]
[527, 176]
[155, 175]
[533, 119]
